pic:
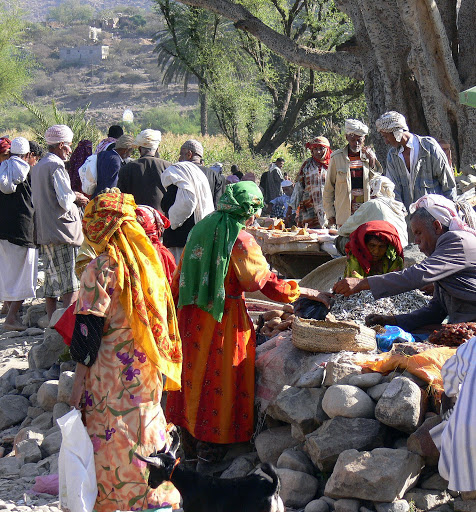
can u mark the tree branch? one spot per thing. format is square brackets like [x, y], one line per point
[339, 62]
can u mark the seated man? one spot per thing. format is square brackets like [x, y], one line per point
[450, 247]
[374, 248]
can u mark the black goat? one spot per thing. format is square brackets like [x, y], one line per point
[204, 493]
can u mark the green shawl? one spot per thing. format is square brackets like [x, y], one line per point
[208, 250]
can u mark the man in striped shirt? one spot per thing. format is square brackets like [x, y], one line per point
[350, 171]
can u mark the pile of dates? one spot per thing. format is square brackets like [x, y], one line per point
[453, 335]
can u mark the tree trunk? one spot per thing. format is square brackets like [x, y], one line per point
[203, 99]
[412, 58]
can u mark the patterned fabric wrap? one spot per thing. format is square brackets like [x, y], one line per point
[381, 229]
[154, 224]
[77, 159]
[206, 257]
[5, 144]
[321, 141]
[110, 226]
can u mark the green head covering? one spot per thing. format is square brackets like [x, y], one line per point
[209, 245]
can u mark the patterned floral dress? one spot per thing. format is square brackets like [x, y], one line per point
[216, 401]
[123, 392]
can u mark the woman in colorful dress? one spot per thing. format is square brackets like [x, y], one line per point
[307, 196]
[220, 262]
[374, 248]
[125, 338]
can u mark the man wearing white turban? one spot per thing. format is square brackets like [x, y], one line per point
[417, 165]
[143, 177]
[350, 171]
[57, 219]
[450, 265]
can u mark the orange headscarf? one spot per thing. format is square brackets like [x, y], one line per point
[323, 142]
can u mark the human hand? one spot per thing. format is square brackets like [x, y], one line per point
[77, 393]
[375, 319]
[350, 285]
[370, 155]
[428, 289]
[81, 199]
[325, 298]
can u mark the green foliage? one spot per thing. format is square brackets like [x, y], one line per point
[15, 65]
[168, 118]
[72, 11]
[82, 128]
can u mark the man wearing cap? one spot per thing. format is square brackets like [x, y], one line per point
[18, 255]
[307, 196]
[449, 245]
[57, 219]
[142, 177]
[350, 171]
[417, 165]
[192, 151]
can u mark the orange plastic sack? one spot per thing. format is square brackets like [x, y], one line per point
[425, 365]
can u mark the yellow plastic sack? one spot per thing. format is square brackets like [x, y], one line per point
[425, 365]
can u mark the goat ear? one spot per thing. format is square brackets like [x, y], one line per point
[175, 442]
[153, 461]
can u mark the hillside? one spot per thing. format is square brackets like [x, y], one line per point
[128, 79]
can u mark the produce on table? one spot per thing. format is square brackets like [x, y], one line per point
[453, 335]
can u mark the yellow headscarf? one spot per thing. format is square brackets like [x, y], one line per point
[110, 226]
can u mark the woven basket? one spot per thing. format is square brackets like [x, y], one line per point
[325, 336]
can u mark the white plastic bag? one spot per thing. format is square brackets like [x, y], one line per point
[77, 474]
[88, 174]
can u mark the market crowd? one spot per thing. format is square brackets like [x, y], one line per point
[150, 260]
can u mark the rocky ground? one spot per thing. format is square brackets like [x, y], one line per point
[342, 440]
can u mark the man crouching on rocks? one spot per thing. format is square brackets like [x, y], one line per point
[450, 246]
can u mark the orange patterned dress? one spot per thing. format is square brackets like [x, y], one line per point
[122, 400]
[216, 401]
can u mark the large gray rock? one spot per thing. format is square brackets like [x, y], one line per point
[347, 401]
[366, 380]
[340, 373]
[28, 451]
[339, 434]
[29, 377]
[59, 410]
[297, 489]
[240, 467]
[33, 314]
[464, 506]
[425, 499]
[51, 444]
[435, 482]
[299, 406]
[13, 410]
[380, 475]
[46, 354]
[402, 405]
[317, 506]
[65, 386]
[377, 391]
[48, 395]
[10, 467]
[295, 460]
[396, 506]
[43, 422]
[422, 443]
[312, 379]
[31, 470]
[271, 443]
[347, 505]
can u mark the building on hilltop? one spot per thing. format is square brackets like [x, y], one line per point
[84, 54]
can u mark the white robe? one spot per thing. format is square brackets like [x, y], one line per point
[194, 196]
[456, 437]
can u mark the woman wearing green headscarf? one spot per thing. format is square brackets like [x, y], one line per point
[220, 262]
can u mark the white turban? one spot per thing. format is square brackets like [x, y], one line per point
[392, 122]
[149, 139]
[58, 133]
[356, 127]
[442, 210]
[381, 186]
[20, 146]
